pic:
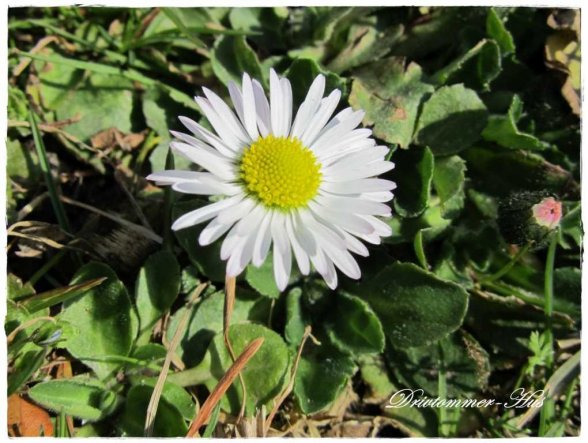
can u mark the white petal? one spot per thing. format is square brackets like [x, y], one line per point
[384, 196]
[282, 252]
[212, 232]
[207, 158]
[205, 135]
[286, 105]
[240, 256]
[345, 125]
[381, 228]
[263, 110]
[263, 240]
[352, 243]
[357, 171]
[221, 126]
[206, 188]
[237, 212]
[224, 112]
[205, 213]
[326, 109]
[301, 256]
[359, 186]
[351, 222]
[249, 111]
[237, 99]
[171, 176]
[309, 106]
[363, 156]
[276, 105]
[353, 205]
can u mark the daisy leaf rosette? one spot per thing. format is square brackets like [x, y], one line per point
[304, 183]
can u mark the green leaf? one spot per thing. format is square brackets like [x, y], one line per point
[415, 307]
[503, 130]
[173, 394]
[391, 96]
[157, 287]
[262, 279]
[161, 113]
[465, 362]
[496, 29]
[79, 397]
[168, 420]
[451, 120]
[264, 375]
[377, 378]
[322, 374]
[500, 172]
[231, 57]
[476, 68]
[55, 296]
[413, 174]
[100, 101]
[22, 164]
[353, 327]
[571, 225]
[16, 289]
[431, 222]
[296, 317]
[449, 182]
[264, 25]
[207, 320]
[30, 359]
[102, 320]
[365, 43]
[302, 73]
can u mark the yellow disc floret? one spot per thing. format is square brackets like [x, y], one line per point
[280, 172]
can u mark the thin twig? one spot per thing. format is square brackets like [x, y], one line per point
[230, 288]
[290, 387]
[158, 389]
[224, 384]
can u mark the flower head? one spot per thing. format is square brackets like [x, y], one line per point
[304, 183]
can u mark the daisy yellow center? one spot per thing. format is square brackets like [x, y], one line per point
[281, 172]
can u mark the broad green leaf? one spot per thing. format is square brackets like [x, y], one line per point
[174, 394]
[53, 297]
[322, 374]
[449, 182]
[265, 374]
[98, 101]
[496, 29]
[465, 362]
[302, 73]
[476, 68]
[431, 222]
[365, 43]
[414, 422]
[79, 397]
[413, 175]
[567, 284]
[262, 279]
[500, 172]
[231, 57]
[101, 320]
[451, 120]
[353, 327]
[415, 307]
[296, 317]
[503, 130]
[157, 287]
[207, 320]
[22, 164]
[17, 289]
[264, 25]
[390, 95]
[376, 376]
[168, 420]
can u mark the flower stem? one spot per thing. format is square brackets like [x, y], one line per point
[548, 409]
[504, 270]
[420, 250]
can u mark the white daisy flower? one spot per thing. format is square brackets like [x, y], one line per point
[305, 183]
